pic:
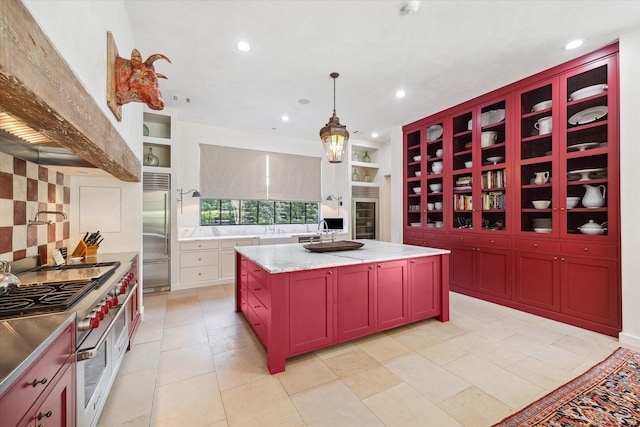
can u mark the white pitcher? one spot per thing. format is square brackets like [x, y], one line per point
[594, 196]
[541, 177]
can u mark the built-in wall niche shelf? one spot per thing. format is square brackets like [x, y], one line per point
[364, 174]
[161, 151]
[156, 126]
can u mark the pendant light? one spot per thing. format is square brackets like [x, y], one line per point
[334, 135]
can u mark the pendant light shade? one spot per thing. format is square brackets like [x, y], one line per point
[334, 135]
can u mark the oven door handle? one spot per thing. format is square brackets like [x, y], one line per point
[90, 353]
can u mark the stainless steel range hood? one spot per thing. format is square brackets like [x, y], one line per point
[45, 155]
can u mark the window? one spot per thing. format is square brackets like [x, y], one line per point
[256, 212]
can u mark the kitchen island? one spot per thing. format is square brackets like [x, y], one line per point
[298, 301]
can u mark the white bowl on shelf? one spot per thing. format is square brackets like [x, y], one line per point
[488, 138]
[542, 230]
[417, 158]
[542, 105]
[541, 204]
[435, 187]
[417, 190]
[417, 173]
[468, 164]
[415, 224]
[572, 202]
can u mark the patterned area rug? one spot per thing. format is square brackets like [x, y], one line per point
[607, 395]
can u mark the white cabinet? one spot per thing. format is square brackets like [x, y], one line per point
[209, 262]
[228, 256]
[199, 261]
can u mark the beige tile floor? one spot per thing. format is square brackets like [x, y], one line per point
[195, 362]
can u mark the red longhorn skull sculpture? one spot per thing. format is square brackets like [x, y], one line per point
[137, 81]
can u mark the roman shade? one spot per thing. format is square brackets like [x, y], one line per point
[241, 174]
[232, 173]
[294, 178]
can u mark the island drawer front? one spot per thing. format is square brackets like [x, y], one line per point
[259, 272]
[259, 308]
[198, 274]
[496, 242]
[199, 245]
[259, 327]
[198, 259]
[589, 249]
[537, 245]
[22, 394]
[260, 289]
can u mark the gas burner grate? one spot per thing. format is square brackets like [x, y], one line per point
[45, 298]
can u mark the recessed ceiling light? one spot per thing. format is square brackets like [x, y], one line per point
[303, 101]
[244, 46]
[374, 134]
[400, 93]
[574, 44]
[285, 118]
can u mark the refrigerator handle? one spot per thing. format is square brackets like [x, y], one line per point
[166, 223]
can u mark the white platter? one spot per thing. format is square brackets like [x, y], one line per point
[589, 115]
[583, 146]
[584, 173]
[588, 91]
[434, 132]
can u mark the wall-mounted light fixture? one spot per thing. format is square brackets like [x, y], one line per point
[332, 198]
[195, 193]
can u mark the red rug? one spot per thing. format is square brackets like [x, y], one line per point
[607, 395]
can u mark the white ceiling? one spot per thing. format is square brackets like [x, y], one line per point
[445, 53]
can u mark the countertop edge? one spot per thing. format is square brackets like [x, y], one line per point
[332, 259]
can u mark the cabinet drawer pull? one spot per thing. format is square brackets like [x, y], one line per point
[371, 267]
[535, 245]
[586, 249]
[256, 270]
[329, 272]
[379, 266]
[561, 259]
[256, 324]
[46, 415]
[36, 382]
[413, 261]
[257, 306]
[199, 259]
[493, 241]
[256, 289]
[555, 258]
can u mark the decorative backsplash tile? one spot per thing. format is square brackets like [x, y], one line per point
[26, 188]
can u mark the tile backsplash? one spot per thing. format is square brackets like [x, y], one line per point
[26, 188]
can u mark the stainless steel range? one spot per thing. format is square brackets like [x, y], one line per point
[101, 294]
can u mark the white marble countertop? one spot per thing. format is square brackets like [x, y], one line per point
[256, 236]
[294, 257]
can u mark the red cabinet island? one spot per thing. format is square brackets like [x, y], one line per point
[297, 301]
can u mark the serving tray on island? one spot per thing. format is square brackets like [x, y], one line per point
[345, 245]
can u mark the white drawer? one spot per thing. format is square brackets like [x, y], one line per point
[198, 258]
[199, 245]
[198, 274]
[235, 242]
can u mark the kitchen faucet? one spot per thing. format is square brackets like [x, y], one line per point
[38, 221]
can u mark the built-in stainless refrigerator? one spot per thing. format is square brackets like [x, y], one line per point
[365, 218]
[156, 237]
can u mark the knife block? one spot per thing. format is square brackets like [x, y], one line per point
[84, 251]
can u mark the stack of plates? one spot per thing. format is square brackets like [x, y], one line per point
[541, 222]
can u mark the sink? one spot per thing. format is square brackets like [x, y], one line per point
[343, 245]
[277, 239]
